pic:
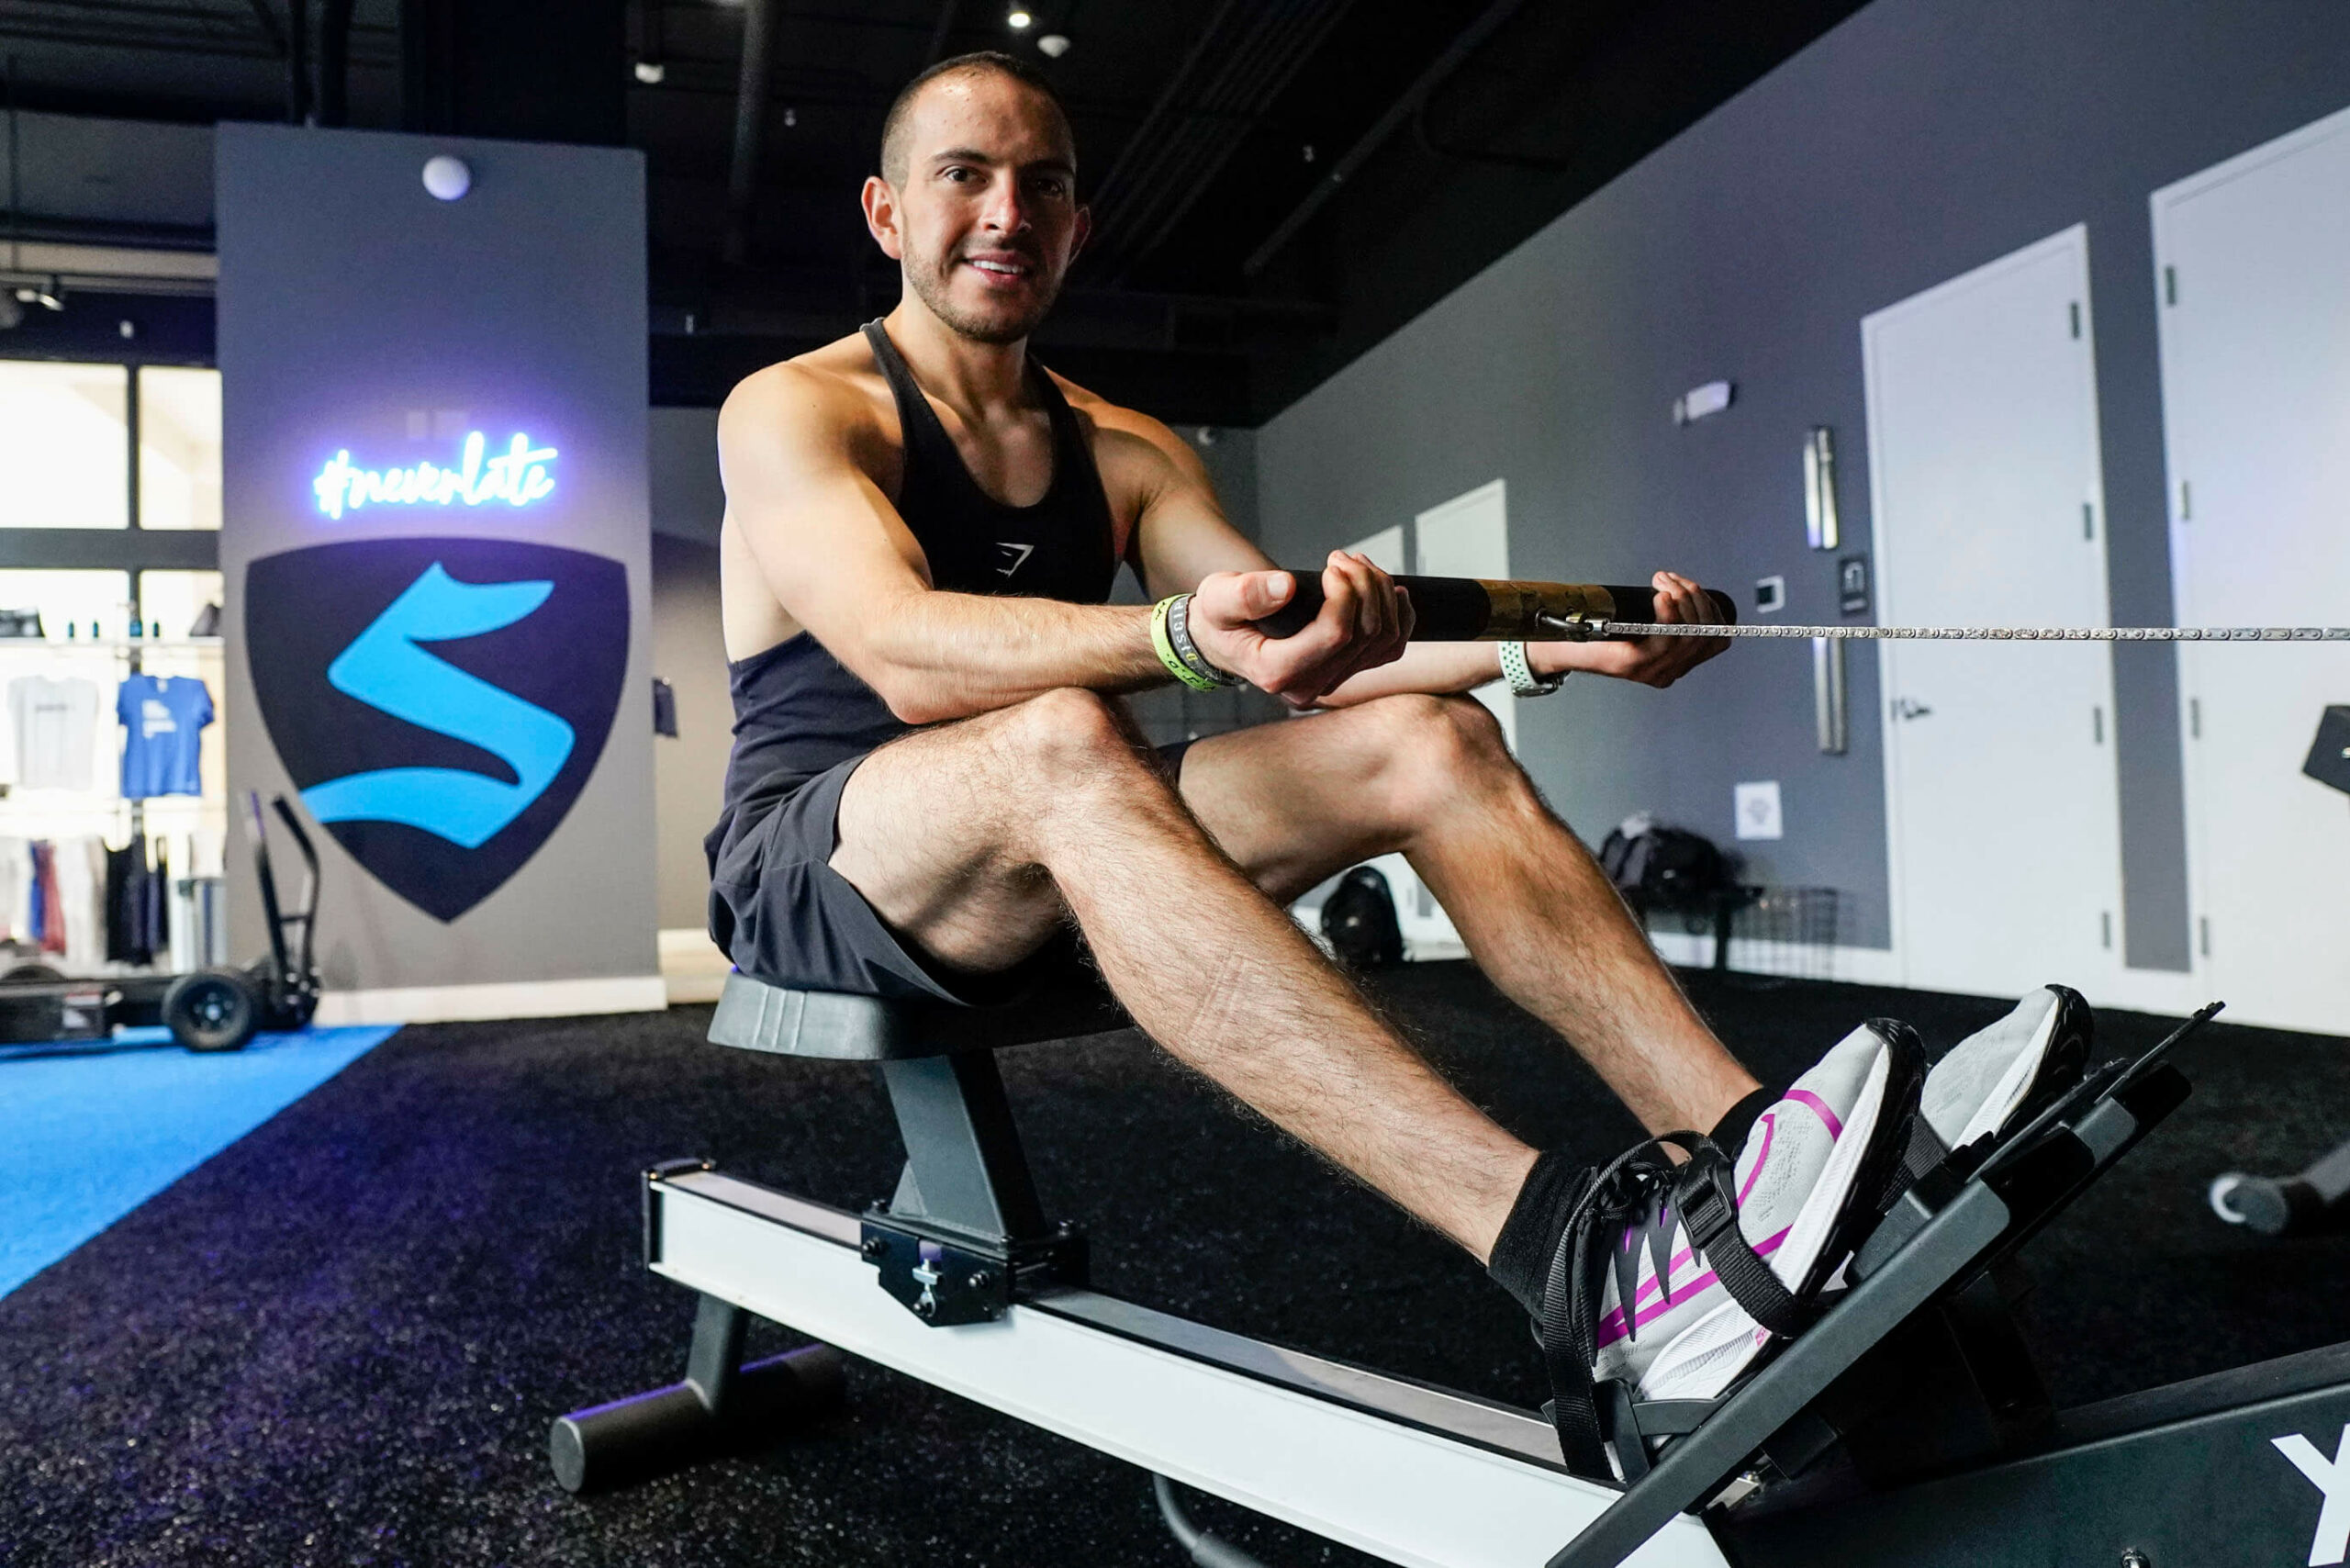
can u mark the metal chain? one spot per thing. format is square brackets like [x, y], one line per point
[1985, 634]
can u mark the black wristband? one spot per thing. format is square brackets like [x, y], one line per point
[1522, 1252]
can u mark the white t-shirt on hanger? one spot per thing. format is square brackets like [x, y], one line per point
[55, 724]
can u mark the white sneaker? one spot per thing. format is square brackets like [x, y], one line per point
[1997, 1079]
[1804, 1176]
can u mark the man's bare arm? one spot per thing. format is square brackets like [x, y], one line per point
[1183, 539]
[841, 563]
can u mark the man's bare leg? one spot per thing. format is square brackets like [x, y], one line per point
[1294, 802]
[973, 838]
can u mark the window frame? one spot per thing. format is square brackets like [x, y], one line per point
[131, 548]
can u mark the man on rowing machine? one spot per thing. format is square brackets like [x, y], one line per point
[932, 778]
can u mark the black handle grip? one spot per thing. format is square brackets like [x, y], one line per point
[1462, 610]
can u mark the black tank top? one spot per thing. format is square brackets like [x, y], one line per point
[799, 710]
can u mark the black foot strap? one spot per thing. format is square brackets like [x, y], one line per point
[1703, 1190]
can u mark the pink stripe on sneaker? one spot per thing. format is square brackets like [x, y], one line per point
[1770, 1125]
[1804, 1096]
[1611, 1328]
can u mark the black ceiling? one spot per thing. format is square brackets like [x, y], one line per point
[1205, 128]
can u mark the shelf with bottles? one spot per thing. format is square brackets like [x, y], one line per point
[111, 644]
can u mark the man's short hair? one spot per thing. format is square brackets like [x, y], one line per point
[893, 124]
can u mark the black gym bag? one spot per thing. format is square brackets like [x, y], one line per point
[1663, 868]
[1358, 919]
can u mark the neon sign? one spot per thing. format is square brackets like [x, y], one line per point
[518, 476]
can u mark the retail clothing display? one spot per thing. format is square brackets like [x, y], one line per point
[164, 719]
[80, 909]
[54, 724]
[138, 914]
[88, 906]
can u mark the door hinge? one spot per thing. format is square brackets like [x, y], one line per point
[2105, 923]
[2185, 500]
[2195, 718]
[2076, 308]
[2096, 725]
[2089, 521]
[2170, 285]
[2203, 935]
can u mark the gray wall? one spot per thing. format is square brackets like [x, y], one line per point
[1918, 139]
[348, 300]
[690, 767]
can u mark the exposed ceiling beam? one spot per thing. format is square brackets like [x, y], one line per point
[1251, 71]
[1455, 53]
[750, 127]
[266, 20]
[941, 31]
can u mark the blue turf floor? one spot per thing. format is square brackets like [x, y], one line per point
[88, 1132]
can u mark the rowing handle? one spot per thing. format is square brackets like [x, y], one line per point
[1466, 609]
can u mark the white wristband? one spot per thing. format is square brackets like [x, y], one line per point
[1522, 680]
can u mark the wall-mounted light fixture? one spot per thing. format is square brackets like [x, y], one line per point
[447, 178]
[1700, 401]
[1820, 525]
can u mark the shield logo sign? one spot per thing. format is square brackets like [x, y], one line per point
[439, 704]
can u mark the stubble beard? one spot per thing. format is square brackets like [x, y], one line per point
[930, 285]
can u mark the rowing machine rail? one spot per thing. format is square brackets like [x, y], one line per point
[1410, 1473]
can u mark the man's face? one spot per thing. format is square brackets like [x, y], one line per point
[986, 218]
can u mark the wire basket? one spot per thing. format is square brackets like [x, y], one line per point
[1787, 931]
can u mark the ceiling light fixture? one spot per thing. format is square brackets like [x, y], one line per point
[650, 71]
[1053, 45]
[1020, 20]
[49, 296]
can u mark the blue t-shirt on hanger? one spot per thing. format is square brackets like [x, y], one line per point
[165, 717]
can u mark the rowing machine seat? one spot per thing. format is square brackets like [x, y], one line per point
[842, 1026]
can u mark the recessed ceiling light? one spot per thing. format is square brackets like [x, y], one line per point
[1019, 20]
[1053, 45]
[650, 71]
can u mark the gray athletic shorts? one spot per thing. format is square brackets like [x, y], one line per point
[784, 915]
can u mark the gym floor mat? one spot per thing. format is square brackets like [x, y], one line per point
[341, 1340]
[90, 1131]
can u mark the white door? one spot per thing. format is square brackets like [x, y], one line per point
[1467, 536]
[2001, 796]
[2253, 274]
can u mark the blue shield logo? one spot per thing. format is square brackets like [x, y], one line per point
[439, 704]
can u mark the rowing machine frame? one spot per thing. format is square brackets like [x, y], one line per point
[1804, 1461]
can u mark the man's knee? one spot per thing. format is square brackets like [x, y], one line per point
[1437, 750]
[1069, 731]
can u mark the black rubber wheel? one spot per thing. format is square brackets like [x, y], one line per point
[212, 1010]
[32, 974]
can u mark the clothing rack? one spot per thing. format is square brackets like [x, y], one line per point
[190, 822]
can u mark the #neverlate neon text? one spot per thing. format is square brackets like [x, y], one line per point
[518, 477]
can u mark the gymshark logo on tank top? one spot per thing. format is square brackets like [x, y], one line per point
[1019, 554]
[439, 704]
